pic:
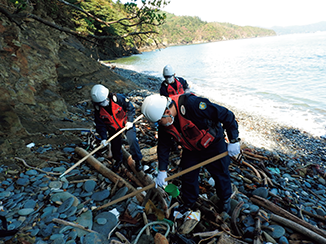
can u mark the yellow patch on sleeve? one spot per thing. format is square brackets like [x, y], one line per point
[202, 106]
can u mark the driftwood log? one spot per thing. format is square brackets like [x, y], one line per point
[131, 176]
[321, 218]
[285, 214]
[254, 155]
[299, 228]
[64, 222]
[167, 179]
[141, 176]
[257, 237]
[234, 217]
[98, 148]
[145, 179]
[107, 172]
[253, 168]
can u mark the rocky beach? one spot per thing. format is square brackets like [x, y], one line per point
[53, 191]
[279, 187]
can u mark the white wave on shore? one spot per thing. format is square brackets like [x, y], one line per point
[255, 130]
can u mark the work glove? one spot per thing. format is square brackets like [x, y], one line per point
[129, 125]
[234, 149]
[104, 143]
[160, 179]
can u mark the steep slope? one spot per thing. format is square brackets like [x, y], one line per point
[43, 73]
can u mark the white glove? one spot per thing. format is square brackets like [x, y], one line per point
[234, 149]
[129, 125]
[104, 143]
[160, 179]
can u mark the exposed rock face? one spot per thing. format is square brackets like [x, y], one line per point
[43, 72]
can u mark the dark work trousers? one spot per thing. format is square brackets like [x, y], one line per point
[116, 144]
[219, 170]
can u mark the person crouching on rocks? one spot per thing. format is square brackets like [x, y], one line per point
[198, 125]
[113, 112]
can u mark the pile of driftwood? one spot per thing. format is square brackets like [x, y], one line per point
[212, 227]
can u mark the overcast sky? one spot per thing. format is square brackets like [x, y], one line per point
[260, 13]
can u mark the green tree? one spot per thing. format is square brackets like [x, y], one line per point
[103, 22]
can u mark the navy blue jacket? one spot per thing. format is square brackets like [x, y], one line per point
[201, 112]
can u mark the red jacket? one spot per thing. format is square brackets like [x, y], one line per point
[190, 137]
[117, 120]
[179, 90]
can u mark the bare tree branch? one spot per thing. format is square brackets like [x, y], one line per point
[9, 16]
[83, 11]
[120, 21]
[139, 33]
[138, 17]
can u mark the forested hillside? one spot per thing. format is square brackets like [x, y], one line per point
[188, 29]
[111, 28]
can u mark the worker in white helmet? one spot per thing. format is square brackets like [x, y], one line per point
[113, 112]
[200, 127]
[172, 85]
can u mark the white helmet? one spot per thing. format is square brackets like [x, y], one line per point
[154, 107]
[168, 71]
[99, 93]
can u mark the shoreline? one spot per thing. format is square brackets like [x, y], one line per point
[256, 132]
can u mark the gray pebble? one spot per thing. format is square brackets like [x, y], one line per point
[101, 221]
[100, 195]
[89, 185]
[261, 192]
[22, 181]
[25, 211]
[66, 205]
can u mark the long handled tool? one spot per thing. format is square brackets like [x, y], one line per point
[98, 148]
[166, 179]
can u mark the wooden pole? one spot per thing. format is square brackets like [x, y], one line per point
[283, 213]
[108, 173]
[144, 178]
[98, 148]
[298, 228]
[166, 179]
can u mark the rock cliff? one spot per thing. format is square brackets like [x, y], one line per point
[44, 72]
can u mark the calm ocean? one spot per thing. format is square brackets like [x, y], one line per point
[282, 78]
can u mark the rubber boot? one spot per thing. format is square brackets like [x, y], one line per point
[116, 167]
[138, 166]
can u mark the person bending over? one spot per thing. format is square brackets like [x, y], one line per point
[199, 126]
[113, 112]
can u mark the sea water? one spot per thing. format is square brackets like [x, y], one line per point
[282, 78]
